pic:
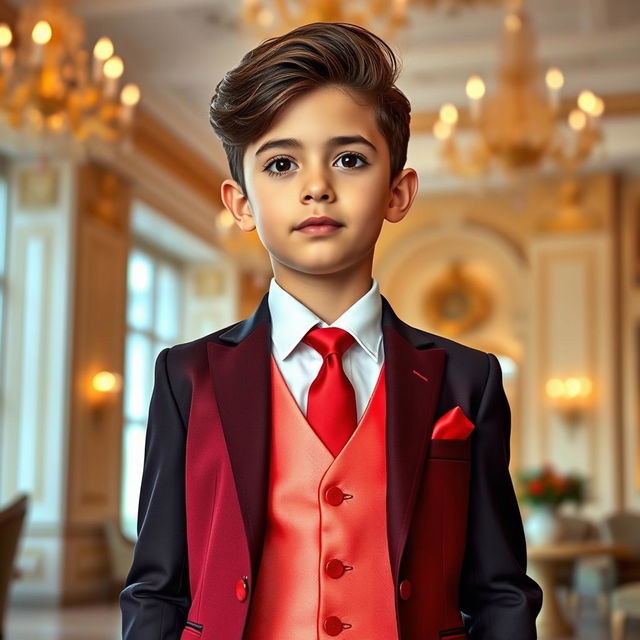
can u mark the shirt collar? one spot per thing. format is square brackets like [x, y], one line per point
[291, 320]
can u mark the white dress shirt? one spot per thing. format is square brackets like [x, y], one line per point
[299, 363]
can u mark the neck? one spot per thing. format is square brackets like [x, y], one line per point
[327, 295]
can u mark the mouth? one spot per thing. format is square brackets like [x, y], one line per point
[318, 221]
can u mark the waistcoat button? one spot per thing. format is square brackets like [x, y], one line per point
[332, 625]
[334, 496]
[241, 588]
[405, 589]
[334, 568]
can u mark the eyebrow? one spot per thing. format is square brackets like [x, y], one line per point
[336, 141]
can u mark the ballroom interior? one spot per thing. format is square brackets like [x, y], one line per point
[523, 241]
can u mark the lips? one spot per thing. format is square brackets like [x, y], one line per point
[319, 221]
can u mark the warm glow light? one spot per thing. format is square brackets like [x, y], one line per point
[114, 67]
[41, 33]
[577, 120]
[5, 35]
[106, 382]
[554, 78]
[587, 101]
[555, 388]
[265, 18]
[448, 114]
[55, 122]
[569, 388]
[475, 88]
[225, 219]
[103, 48]
[598, 107]
[130, 95]
[441, 130]
[512, 22]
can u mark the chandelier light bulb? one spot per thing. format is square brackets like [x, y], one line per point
[103, 48]
[554, 78]
[587, 101]
[5, 35]
[130, 95]
[475, 88]
[41, 33]
[442, 130]
[577, 119]
[449, 114]
[598, 107]
[114, 67]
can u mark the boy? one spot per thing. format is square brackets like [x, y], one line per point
[321, 468]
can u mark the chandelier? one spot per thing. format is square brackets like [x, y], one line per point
[267, 17]
[522, 125]
[50, 89]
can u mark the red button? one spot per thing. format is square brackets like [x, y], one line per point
[334, 568]
[334, 496]
[332, 625]
[405, 589]
[241, 589]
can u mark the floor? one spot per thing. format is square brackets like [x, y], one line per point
[103, 623]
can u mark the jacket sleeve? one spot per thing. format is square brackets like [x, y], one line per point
[498, 600]
[156, 597]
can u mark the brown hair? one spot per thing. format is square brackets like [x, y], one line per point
[249, 97]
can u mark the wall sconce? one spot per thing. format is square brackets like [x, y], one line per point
[105, 386]
[571, 397]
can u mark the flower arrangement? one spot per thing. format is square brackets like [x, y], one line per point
[547, 487]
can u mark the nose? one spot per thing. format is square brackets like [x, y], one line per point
[317, 188]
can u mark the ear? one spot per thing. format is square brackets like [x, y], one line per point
[237, 204]
[403, 191]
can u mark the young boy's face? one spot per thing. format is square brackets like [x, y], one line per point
[323, 156]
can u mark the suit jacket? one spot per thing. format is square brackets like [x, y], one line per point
[454, 528]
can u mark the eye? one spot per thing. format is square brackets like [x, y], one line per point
[352, 158]
[282, 164]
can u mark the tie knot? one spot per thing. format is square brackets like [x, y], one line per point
[329, 340]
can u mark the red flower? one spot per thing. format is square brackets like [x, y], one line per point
[536, 487]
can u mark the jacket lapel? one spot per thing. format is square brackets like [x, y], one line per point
[240, 368]
[413, 378]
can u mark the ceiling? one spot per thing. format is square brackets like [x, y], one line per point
[177, 51]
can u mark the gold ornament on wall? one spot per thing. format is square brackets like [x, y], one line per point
[457, 302]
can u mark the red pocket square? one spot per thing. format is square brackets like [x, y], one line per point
[453, 424]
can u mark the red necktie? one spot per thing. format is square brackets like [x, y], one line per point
[331, 407]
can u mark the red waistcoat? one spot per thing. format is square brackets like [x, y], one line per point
[325, 568]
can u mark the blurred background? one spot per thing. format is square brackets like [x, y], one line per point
[524, 240]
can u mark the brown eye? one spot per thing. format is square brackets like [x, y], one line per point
[349, 160]
[282, 164]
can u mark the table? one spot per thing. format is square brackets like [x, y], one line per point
[542, 563]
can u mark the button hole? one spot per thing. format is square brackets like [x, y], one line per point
[346, 625]
[347, 496]
[348, 567]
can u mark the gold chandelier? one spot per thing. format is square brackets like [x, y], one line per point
[267, 17]
[520, 127]
[48, 86]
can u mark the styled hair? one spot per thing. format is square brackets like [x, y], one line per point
[282, 68]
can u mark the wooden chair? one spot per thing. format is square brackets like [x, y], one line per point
[624, 528]
[625, 603]
[11, 521]
[592, 576]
